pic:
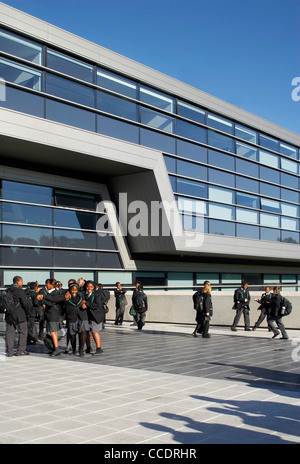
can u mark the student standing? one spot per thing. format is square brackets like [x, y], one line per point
[76, 318]
[207, 309]
[94, 303]
[140, 305]
[276, 316]
[242, 306]
[16, 319]
[121, 303]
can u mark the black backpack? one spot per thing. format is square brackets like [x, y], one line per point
[139, 303]
[198, 300]
[8, 305]
[286, 307]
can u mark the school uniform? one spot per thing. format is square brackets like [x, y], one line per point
[17, 322]
[76, 317]
[95, 302]
[241, 305]
[276, 317]
[52, 301]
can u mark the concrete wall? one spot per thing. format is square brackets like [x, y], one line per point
[177, 307]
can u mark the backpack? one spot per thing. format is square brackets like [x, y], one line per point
[8, 304]
[139, 303]
[198, 300]
[286, 307]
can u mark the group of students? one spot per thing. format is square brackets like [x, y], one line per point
[83, 306]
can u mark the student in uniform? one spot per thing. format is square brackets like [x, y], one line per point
[242, 306]
[94, 303]
[121, 303]
[140, 305]
[276, 316]
[76, 318]
[265, 306]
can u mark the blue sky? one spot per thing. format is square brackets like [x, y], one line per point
[243, 51]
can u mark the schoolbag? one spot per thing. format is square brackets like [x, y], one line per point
[198, 300]
[286, 307]
[139, 300]
[8, 304]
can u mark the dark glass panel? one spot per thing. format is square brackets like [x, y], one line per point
[158, 141]
[192, 151]
[116, 83]
[246, 167]
[221, 177]
[109, 260]
[117, 106]
[75, 219]
[21, 235]
[74, 258]
[271, 235]
[247, 184]
[70, 90]
[289, 237]
[188, 187]
[170, 164]
[74, 199]
[117, 129]
[221, 227]
[74, 239]
[268, 142]
[24, 102]
[19, 46]
[71, 66]
[191, 112]
[191, 131]
[220, 141]
[246, 231]
[184, 168]
[70, 115]
[221, 160]
[28, 193]
[33, 257]
[27, 214]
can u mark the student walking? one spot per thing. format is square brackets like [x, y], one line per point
[276, 315]
[265, 306]
[242, 306]
[140, 305]
[207, 309]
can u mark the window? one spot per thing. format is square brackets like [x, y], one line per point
[246, 231]
[221, 160]
[289, 195]
[268, 142]
[221, 212]
[220, 123]
[270, 205]
[184, 168]
[20, 256]
[245, 133]
[220, 141]
[64, 276]
[18, 46]
[27, 193]
[213, 278]
[269, 174]
[170, 164]
[25, 214]
[117, 106]
[116, 83]
[246, 215]
[288, 150]
[73, 199]
[157, 120]
[158, 99]
[269, 220]
[67, 114]
[231, 279]
[289, 210]
[28, 275]
[246, 167]
[194, 223]
[221, 177]
[189, 187]
[189, 205]
[74, 258]
[191, 112]
[289, 223]
[289, 181]
[221, 227]
[288, 165]
[268, 159]
[246, 151]
[21, 75]
[192, 151]
[158, 141]
[24, 102]
[118, 129]
[221, 195]
[247, 200]
[249, 185]
[69, 90]
[269, 190]
[191, 131]
[110, 278]
[70, 66]
[151, 279]
[180, 279]
[75, 219]
[289, 237]
[74, 239]
[270, 235]
[23, 235]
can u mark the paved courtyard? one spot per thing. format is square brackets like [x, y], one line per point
[158, 386]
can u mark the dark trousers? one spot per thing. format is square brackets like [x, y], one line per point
[261, 318]
[280, 325]
[10, 337]
[140, 320]
[245, 311]
[120, 314]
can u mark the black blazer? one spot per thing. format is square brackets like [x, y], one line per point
[239, 298]
[22, 306]
[53, 305]
[95, 303]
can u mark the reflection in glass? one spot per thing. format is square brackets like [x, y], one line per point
[27, 193]
[268, 159]
[221, 212]
[245, 133]
[246, 215]
[116, 83]
[189, 187]
[288, 165]
[270, 205]
[74, 199]
[68, 65]
[158, 99]
[244, 199]
[75, 219]
[268, 142]
[289, 223]
[191, 112]
[74, 239]
[246, 231]
[184, 168]
[21, 75]
[18, 46]
[18, 256]
[220, 123]
[27, 214]
[269, 220]
[288, 150]
[289, 237]
[246, 151]
[21, 235]
[157, 120]
[220, 141]
[118, 106]
[222, 195]
[271, 235]
[191, 131]
[158, 141]
[70, 90]
[221, 228]
[117, 129]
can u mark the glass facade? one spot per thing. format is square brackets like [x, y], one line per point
[248, 180]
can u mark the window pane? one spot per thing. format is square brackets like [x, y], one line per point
[157, 120]
[106, 243]
[269, 159]
[64, 276]
[19, 74]
[271, 235]
[216, 158]
[270, 205]
[269, 174]
[158, 141]
[192, 151]
[170, 164]
[269, 190]
[70, 198]
[110, 278]
[245, 133]
[231, 279]
[116, 83]
[70, 66]
[221, 177]
[289, 181]
[158, 99]
[189, 187]
[289, 195]
[24, 102]
[20, 235]
[117, 106]
[194, 223]
[271, 279]
[247, 184]
[191, 112]
[66, 259]
[220, 123]
[288, 150]
[191, 131]
[18, 256]
[180, 279]
[247, 200]
[16, 191]
[289, 223]
[222, 195]
[269, 220]
[213, 278]
[75, 219]
[246, 215]
[289, 210]
[108, 260]
[246, 167]
[246, 151]
[28, 275]
[289, 237]
[220, 141]
[221, 212]
[245, 231]
[18, 46]
[189, 205]
[69, 90]
[74, 239]
[27, 214]
[288, 165]
[268, 142]
[70, 115]
[184, 168]
[118, 129]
